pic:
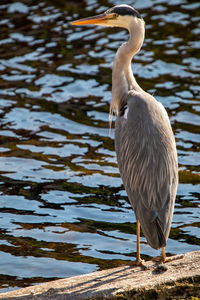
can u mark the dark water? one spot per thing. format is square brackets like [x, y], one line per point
[63, 210]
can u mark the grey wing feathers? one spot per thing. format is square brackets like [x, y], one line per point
[147, 160]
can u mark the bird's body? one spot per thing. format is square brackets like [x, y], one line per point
[144, 141]
[145, 155]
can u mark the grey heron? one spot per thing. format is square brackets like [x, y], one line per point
[144, 140]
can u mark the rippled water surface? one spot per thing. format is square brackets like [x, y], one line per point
[63, 209]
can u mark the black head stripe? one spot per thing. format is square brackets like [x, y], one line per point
[125, 11]
[122, 110]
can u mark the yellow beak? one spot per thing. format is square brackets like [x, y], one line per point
[96, 20]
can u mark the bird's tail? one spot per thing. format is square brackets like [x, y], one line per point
[152, 227]
[161, 237]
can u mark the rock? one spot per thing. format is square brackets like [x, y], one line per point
[125, 281]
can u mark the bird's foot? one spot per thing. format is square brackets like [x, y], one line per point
[171, 258]
[158, 259]
[162, 260]
[138, 263]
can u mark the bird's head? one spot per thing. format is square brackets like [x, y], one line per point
[117, 16]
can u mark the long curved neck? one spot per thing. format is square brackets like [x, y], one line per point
[122, 77]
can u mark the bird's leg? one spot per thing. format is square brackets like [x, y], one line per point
[164, 259]
[138, 258]
[138, 261]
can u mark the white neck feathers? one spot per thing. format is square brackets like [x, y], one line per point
[122, 77]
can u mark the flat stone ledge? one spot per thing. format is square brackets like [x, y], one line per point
[109, 283]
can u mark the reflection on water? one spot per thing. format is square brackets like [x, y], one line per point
[63, 210]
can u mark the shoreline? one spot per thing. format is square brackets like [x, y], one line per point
[110, 283]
